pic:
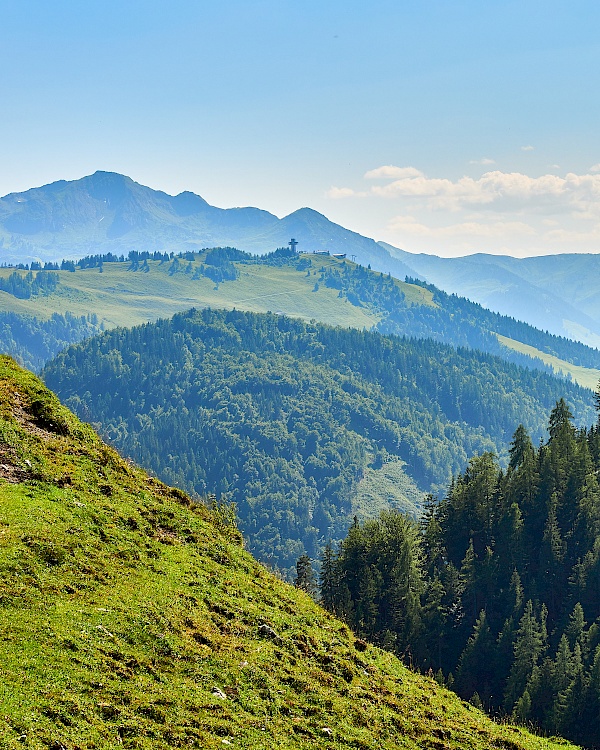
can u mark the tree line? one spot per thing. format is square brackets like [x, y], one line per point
[25, 286]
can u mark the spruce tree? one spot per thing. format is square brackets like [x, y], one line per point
[475, 671]
[570, 719]
[434, 617]
[530, 644]
[520, 448]
[560, 419]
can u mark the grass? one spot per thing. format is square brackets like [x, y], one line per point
[385, 488]
[132, 617]
[585, 376]
[125, 298]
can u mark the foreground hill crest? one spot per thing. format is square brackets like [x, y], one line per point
[130, 616]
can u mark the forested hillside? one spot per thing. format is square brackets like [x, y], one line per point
[500, 594]
[284, 417]
[454, 320]
[33, 341]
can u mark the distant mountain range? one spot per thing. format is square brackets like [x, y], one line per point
[557, 293]
[109, 212]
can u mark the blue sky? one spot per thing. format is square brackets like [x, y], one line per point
[447, 127]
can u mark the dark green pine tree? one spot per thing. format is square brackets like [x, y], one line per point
[597, 401]
[587, 733]
[475, 673]
[379, 568]
[561, 679]
[516, 593]
[552, 553]
[434, 617]
[529, 646]
[510, 551]
[563, 449]
[505, 650]
[521, 488]
[576, 629]
[521, 448]
[572, 708]
[586, 523]
[560, 420]
[522, 709]
[367, 604]
[454, 588]
[432, 532]
[541, 693]
[470, 510]
[468, 572]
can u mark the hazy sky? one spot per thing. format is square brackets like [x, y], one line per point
[443, 126]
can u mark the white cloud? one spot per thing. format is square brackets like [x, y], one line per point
[571, 239]
[527, 148]
[414, 186]
[485, 162]
[337, 193]
[494, 191]
[394, 173]
[595, 168]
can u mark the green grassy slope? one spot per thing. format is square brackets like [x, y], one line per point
[132, 618]
[585, 376]
[385, 488]
[125, 298]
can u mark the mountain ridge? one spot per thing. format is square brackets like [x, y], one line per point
[110, 212]
[553, 292]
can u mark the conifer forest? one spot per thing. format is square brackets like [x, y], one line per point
[497, 592]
